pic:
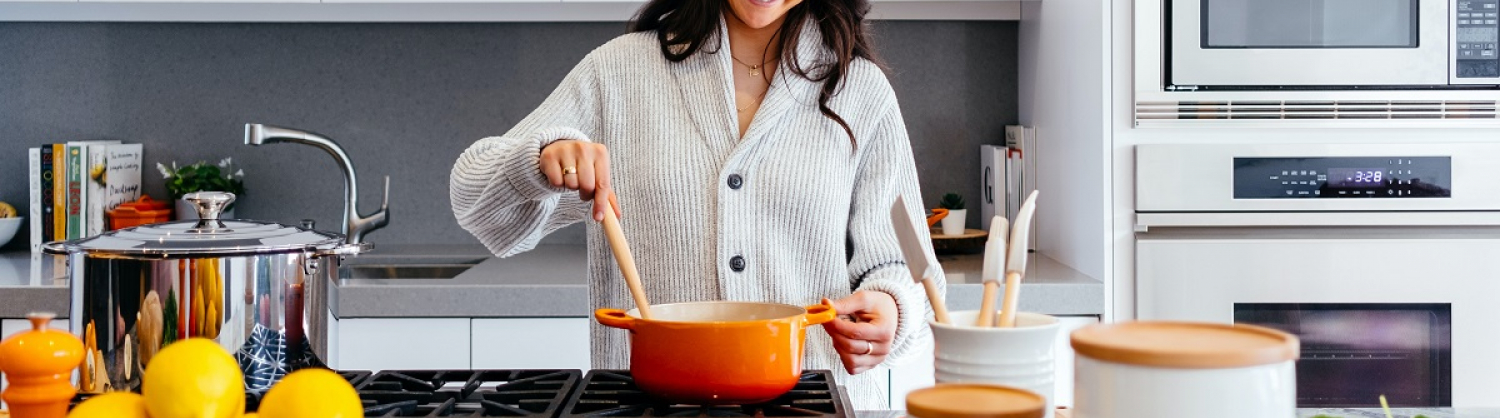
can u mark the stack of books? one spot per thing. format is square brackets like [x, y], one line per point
[73, 184]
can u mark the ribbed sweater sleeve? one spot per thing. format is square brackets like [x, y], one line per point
[496, 187]
[886, 170]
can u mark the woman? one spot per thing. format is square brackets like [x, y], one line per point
[756, 150]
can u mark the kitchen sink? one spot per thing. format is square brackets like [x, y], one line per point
[406, 271]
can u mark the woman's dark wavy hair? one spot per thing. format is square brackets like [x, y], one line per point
[684, 26]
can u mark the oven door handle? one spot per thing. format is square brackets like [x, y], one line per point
[1144, 221]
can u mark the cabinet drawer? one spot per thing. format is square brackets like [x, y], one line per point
[403, 343]
[531, 343]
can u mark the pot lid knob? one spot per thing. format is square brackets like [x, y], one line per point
[209, 204]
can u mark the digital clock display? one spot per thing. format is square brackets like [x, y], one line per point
[1356, 177]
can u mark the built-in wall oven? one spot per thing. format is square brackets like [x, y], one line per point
[1261, 44]
[1384, 259]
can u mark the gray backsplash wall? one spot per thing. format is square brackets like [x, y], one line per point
[404, 100]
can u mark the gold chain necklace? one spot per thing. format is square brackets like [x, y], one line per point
[757, 99]
[754, 69]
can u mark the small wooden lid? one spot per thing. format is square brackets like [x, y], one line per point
[1185, 345]
[966, 400]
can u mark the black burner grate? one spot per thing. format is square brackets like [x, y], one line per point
[612, 393]
[467, 393]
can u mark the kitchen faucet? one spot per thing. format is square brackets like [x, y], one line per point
[355, 226]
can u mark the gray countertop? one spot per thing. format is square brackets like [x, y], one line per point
[26, 286]
[550, 281]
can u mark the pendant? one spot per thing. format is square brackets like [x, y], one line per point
[755, 71]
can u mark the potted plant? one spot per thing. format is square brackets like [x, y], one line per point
[953, 223]
[202, 177]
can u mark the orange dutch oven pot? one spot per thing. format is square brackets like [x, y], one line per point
[717, 353]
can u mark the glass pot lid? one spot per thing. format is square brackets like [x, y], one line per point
[207, 236]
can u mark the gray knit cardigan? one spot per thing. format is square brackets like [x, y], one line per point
[806, 214]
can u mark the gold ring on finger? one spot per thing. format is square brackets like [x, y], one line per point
[869, 348]
[570, 170]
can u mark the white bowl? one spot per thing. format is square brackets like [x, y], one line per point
[8, 228]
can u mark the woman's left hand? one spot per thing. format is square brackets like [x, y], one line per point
[863, 342]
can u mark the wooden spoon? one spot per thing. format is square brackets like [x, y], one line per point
[621, 249]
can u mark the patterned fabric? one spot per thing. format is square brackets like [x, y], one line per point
[263, 358]
[791, 212]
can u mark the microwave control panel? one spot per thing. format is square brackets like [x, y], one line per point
[1342, 177]
[1476, 32]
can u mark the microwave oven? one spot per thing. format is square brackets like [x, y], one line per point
[1331, 44]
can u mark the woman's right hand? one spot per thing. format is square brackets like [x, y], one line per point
[581, 166]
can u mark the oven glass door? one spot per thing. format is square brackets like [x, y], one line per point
[1308, 42]
[1352, 353]
[1358, 289]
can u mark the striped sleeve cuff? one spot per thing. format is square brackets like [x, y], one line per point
[527, 179]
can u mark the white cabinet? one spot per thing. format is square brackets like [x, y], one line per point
[530, 343]
[1063, 371]
[403, 343]
[915, 373]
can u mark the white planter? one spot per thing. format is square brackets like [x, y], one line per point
[1020, 357]
[1152, 370]
[183, 211]
[953, 224]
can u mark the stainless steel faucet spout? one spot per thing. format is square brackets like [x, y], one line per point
[355, 225]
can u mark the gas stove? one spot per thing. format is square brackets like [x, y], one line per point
[612, 393]
[560, 394]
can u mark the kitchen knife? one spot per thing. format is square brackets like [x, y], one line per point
[994, 264]
[1015, 263]
[918, 257]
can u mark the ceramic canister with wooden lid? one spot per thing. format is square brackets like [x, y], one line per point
[1184, 369]
[974, 400]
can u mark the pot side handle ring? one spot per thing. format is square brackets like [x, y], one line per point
[614, 318]
[820, 313]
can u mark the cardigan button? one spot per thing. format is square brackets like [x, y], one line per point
[735, 181]
[737, 263]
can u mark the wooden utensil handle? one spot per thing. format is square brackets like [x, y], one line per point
[939, 308]
[1012, 295]
[987, 305]
[621, 248]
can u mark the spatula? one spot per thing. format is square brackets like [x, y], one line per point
[621, 249]
[918, 257]
[1015, 263]
[994, 265]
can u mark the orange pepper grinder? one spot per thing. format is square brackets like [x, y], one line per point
[39, 365]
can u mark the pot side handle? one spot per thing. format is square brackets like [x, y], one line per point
[614, 318]
[820, 313]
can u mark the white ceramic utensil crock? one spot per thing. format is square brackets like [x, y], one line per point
[1020, 357]
[1184, 369]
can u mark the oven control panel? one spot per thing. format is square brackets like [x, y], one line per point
[1476, 28]
[1342, 177]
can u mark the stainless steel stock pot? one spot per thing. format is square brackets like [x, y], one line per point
[258, 289]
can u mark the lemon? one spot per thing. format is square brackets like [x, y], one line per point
[311, 393]
[111, 405]
[193, 378]
[250, 415]
[7, 211]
